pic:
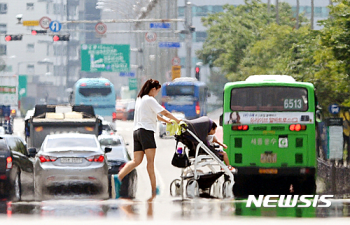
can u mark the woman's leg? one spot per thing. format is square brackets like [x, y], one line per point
[138, 156]
[150, 154]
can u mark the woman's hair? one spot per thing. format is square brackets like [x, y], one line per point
[213, 125]
[147, 86]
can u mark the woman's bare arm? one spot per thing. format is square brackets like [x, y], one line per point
[162, 119]
[169, 115]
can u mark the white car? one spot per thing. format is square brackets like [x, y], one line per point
[162, 125]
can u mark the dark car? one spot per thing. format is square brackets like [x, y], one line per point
[117, 159]
[16, 169]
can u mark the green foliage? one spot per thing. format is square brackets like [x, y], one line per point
[232, 31]
[245, 40]
[217, 83]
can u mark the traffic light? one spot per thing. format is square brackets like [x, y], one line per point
[197, 72]
[60, 37]
[35, 32]
[17, 37]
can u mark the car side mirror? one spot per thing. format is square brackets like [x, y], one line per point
[32, 152]
[221, 119]
[108, 149]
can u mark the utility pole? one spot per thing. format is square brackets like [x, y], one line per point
[277, 13]
[298, 6]
[188, 25]
[312, 14]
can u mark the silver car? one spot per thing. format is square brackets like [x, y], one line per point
[71, 163]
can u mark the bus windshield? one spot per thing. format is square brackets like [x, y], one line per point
[269, 99]
[94, 92]
[173, 90]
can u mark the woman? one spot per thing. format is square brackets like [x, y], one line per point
[145, 123]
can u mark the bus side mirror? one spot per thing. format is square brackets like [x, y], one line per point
[319, 116]
[221, 119]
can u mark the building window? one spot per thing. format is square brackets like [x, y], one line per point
[3, 8]
[3, 28]
[30, 6]
[181, 11]
[8, 68]
[30, 69]
[30, 47]
[200, 10]
[200, 36]
[2, 49]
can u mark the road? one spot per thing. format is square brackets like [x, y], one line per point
[164, 209]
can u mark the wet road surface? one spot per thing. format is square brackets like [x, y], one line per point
[197, 211]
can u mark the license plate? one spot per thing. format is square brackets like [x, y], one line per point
[268, 158]
[268, 171]
[71, 160]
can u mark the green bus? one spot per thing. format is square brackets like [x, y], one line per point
[269, 127]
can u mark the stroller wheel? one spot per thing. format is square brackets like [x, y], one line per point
[175, 188]
[226, 192]
[192, 189]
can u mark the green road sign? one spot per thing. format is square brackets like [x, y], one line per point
[22, 86]
[105, 58]
[132, 84]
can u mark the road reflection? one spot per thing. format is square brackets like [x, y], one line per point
[153, 209]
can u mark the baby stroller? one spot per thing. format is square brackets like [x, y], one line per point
[200, 178]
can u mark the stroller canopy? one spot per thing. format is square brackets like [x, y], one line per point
[200, 127]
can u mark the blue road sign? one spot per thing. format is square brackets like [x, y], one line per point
[127, 74]
[55, 26]
[169, 44]
[160, 25]
[334, 108]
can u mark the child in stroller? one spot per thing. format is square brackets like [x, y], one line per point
[206, 165]
[212, 140]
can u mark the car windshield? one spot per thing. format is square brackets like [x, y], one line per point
[110, 141]
[106, 127]
[70, 142]
[116, 153]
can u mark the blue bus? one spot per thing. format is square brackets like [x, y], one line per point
[186, 95]
[98, 92]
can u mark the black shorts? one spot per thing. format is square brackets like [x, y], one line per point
[143, 139]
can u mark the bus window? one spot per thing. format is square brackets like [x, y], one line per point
[180, 90]
[269, 99]
[101, 91]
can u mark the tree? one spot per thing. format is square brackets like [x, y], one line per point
[231, 32]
